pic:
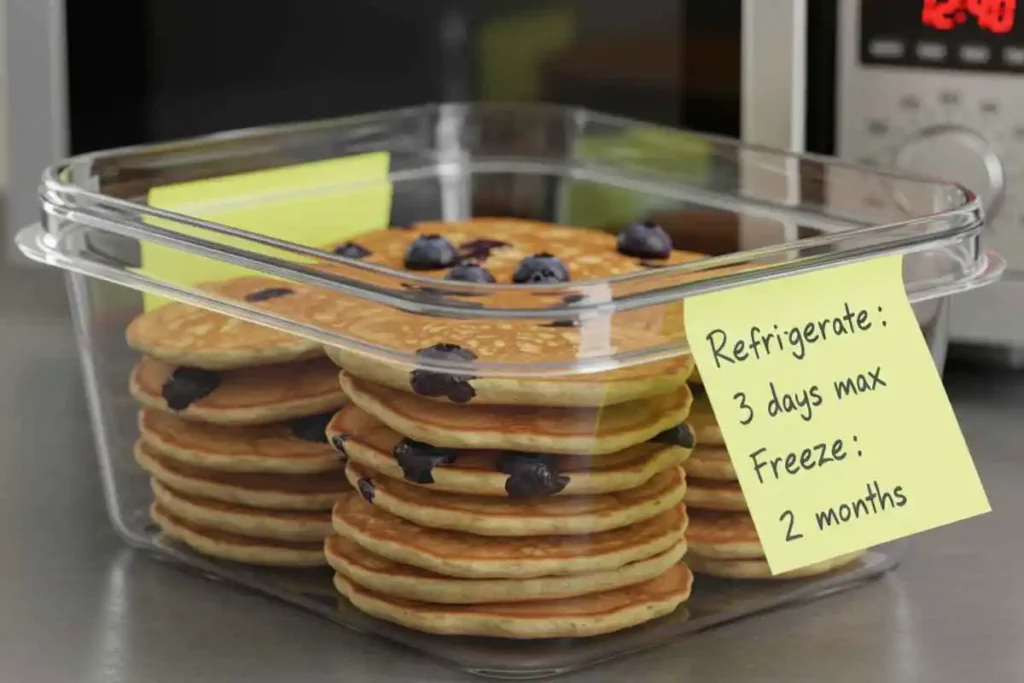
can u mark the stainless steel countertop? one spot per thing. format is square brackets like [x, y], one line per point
[76, 605]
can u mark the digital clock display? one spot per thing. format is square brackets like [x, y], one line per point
[974, 35]
[994, 16]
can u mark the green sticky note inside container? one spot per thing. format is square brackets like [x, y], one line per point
[308, 204]
[676, 156]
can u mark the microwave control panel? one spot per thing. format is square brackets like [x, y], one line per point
[936, 87]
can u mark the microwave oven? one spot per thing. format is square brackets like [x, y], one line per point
[847, 77]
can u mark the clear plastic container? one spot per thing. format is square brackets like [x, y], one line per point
[753, 213]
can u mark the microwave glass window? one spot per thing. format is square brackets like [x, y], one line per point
[171, 70]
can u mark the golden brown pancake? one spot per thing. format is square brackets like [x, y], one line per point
[546, 516]
[710, 462]
[369, 442]
[282, 525]
[579, 431]
[579, 617]
[181, 334]
[588, 254]
[714, 495]
[715, 534]
[265, 448]
[453, 553]
[383, 576]
[269, 491]
[236, 548]
[556, 390]
[260, 395]
[758, 569]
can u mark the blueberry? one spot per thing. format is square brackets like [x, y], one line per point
[645, 240]
[455, 387]
[187, 385]
[352, 250]
[338, 442]
[467, 271]
[680, 435]
[443, 351]
[366, 489]
[270, 293]
[430, 252]
[540, 269]
[531, 474]
[418, 459]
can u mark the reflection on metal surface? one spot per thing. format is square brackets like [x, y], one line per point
[113, 626]
[713, 602]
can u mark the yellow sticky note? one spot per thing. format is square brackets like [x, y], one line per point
[833, 412]
[308, 204]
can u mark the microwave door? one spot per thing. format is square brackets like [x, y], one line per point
[36, 121]
[773, 108]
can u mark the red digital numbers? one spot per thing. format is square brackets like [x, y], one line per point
[996, 16]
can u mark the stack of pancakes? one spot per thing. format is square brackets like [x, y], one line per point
[461, 525]
[233, 430]
[721, 536]
[518, 507]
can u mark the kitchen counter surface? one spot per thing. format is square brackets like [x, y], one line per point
[79, 606]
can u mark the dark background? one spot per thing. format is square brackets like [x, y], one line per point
[164, 70]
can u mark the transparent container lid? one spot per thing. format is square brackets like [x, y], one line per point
[738, 214]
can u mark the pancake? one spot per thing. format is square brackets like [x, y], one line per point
[579, 617]
[402, 581]
[181, 334]
[372, 444]
[702, 419]
[270, 393]
[499, 245]
[452, 553]
[582, 390]
[245, 521]
[710, 462]
[758, 569]
[260, 490]
[236, 548]
[713, 534]
[490, 516]
[287, 448]
[573, 431]
[714, 495]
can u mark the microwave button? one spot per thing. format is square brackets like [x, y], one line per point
[881, 48]
[931, 52]
[1013, 56]
[975, 54]
[949, 98]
